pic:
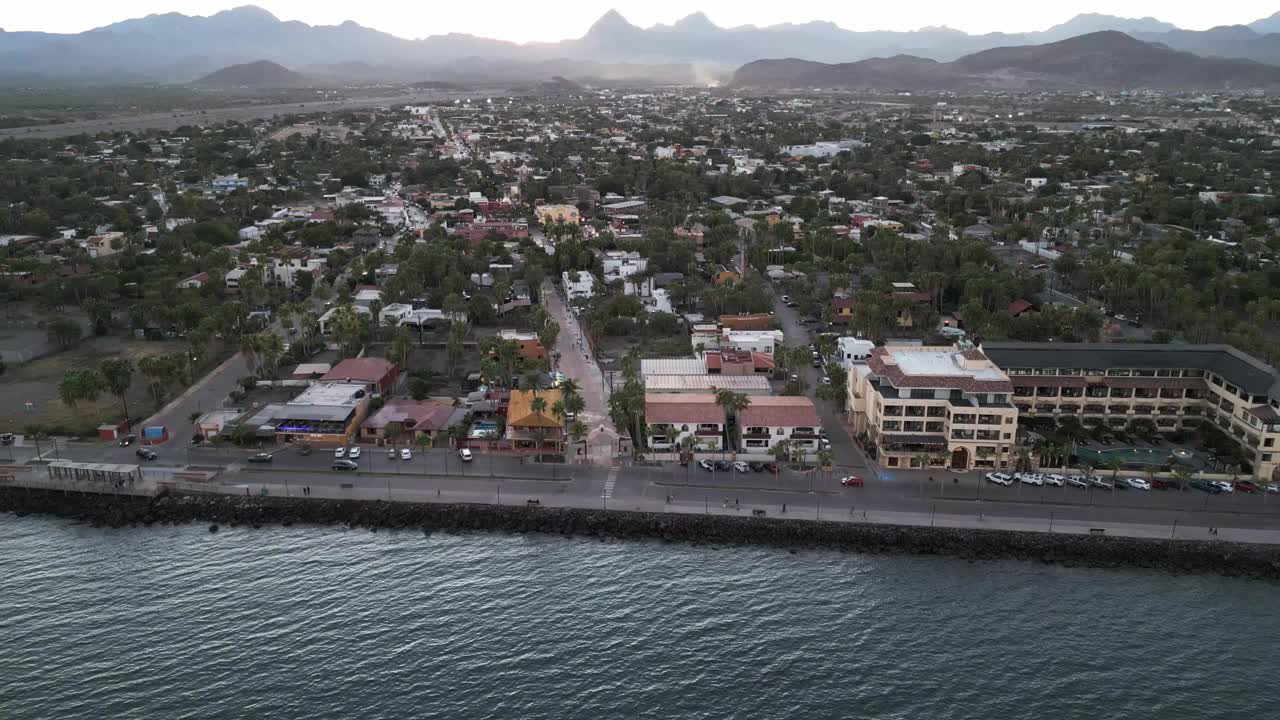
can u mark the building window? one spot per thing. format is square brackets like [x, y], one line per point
[684, 428]
[892, 462]
[1269, 442]
[779, 431]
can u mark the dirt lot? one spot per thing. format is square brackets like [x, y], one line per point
[37, 383]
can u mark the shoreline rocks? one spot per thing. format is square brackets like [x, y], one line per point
[1260, 562]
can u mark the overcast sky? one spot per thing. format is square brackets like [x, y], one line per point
[550, 20]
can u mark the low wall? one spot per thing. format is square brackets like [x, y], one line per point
[1180, 556]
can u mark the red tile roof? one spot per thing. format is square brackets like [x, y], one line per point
[786, 411]
[678, 408]
[366, 369]
[1019, 306]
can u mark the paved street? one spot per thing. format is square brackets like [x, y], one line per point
[641, 487]
[577, 362]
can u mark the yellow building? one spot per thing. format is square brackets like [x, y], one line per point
[933, 406]
[561, 214]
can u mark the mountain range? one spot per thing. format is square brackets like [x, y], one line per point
[1106, 59]
[173, 47]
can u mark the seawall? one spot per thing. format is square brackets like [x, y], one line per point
[1174, 556]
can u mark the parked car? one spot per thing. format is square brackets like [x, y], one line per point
[407, 454]
[391, 453]
[344, 465]
[706, 465]
[340, 452]
[1222, 485]
[851, 481]
[786, 299]
[145, 453]
[1101, 484]
[741, 467]
[771, 467]
[6, 439]
[1158, 484]
[354, 453]
[806, 320]
[756, 466]
[723, 465]
[125, 441]
[1205, 486]
[465, 454]
[1246, 486]
[825, 380]
[260, 458]
[999, 478]
[1031, 479]
[1079, 481]
[1056, 480]
[1137, 483]
[817, 362]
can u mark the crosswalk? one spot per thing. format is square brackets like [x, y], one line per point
[609, 481]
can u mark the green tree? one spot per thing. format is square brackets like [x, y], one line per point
[392, 432]
[117, 377]
[64, 332]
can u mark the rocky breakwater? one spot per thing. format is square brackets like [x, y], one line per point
[1181, 556]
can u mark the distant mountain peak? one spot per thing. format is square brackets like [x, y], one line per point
[261, 73]
[696, 22]
[248, 11]
[611, 21]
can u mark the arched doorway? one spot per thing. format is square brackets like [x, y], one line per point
[960, 458]
[1275, 476]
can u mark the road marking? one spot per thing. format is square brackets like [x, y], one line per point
[609, 481]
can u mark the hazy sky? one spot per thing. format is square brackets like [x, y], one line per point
[523, 21]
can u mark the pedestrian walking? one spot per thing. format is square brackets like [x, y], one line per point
[784, 507]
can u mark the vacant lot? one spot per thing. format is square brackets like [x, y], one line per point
[36, 383]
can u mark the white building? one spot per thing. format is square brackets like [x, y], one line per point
[761, 341]
[853, 350]
[671, 418]
[578, 284]
[619, 265]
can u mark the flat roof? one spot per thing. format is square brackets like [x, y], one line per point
[939, 362]
[1236, 367]
[329, 394]
[672, 366]
[750, 384]
[95, 467]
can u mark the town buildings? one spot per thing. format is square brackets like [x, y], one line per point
[932, 406]
[673, 418]
[768, 421]
[1173, 386]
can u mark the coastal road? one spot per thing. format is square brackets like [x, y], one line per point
[643, 486]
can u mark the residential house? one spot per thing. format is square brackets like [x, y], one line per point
[378, 374]
[768, 421]
[530, 347]
[417, 419]
[530, 430]
[194, 282]
[671, 418]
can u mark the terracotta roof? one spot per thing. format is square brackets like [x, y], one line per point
[677, 408]
[786, 411]
[1019, 306]
[419, 415]
[366, 369]
[520, 410]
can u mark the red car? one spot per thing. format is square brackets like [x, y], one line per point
[1246, 486]
[851, 481]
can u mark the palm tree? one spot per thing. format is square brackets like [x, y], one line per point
[732, 403]
[392, 432]
[921, 459]
[781, 452]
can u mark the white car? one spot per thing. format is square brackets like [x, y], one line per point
[405, 454]
[1031, 479]
[1137, 483]
[1079, 481]
[339, 452]
[1056, 480]
[353, 453]
[741, 467]
[999, 478]
[391, 453]
[1223, 485]
[466, 455]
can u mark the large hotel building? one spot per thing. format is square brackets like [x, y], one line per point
[1174, 386]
